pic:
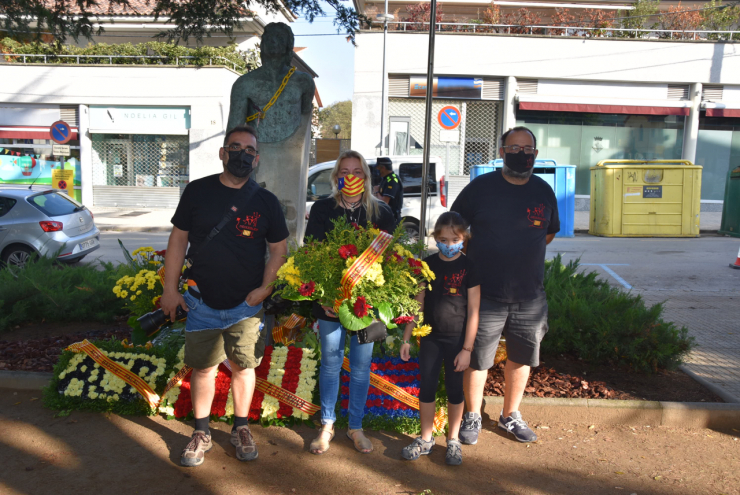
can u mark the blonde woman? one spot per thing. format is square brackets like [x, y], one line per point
[351, 198]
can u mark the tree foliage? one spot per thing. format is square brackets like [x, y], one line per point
[193, 19]
[336, 113]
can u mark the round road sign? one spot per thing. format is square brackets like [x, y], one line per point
[449, 117]
[62, 184]
[60, 132]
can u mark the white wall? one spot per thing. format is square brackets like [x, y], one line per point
[556, 58]
[205, 90]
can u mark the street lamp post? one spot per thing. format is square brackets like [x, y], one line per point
[385, 19]
[428, 122]
[336, 130]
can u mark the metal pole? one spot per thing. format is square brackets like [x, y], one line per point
[428, 124]
[382, 91]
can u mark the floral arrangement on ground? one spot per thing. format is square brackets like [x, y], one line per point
[383, 290]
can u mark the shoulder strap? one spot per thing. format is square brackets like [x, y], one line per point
[241, 199]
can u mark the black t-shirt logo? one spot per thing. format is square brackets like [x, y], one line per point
[453, 283]
[247, 225]
[536, 217]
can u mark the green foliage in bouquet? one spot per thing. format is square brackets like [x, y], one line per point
[385, 292]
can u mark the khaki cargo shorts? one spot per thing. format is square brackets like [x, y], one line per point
[242, 343]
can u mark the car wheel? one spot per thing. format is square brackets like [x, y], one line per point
[412, 230]
[17, 257]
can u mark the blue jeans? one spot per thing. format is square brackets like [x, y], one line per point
[332, 336]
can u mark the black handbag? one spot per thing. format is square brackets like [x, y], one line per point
[375, 332]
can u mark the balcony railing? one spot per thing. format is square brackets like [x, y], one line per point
[570, 31]
[120, 60]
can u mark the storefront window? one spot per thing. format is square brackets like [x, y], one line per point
[718, 151]
[584, 139]
[140, 160]
[30, 161]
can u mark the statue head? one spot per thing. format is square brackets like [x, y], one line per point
[277, 44]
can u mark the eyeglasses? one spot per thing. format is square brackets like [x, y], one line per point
[249, 149]
[515, 148]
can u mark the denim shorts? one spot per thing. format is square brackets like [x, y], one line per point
[203, 317]
[523, 324]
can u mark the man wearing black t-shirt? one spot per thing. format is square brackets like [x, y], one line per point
[513, 215]
[391, 189]
[227, 283]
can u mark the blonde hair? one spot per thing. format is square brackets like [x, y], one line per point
[368, 200]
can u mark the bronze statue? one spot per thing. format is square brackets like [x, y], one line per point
[251, 93]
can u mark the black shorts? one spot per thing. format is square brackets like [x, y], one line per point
[527, 325]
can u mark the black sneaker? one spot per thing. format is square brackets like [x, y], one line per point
[470, 428]
[418, 448]
[515, 425]
[454, 453]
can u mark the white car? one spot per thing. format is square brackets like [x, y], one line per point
[408, 168]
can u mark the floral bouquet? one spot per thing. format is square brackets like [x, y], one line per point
[362, 273]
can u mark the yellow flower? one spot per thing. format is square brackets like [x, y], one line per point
[374, 231]
[155, 262]
[133, 298]
[123, 294]
[422, 331]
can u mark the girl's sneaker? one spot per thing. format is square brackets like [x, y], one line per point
[418, 448]
[454, 453]
[470, 428]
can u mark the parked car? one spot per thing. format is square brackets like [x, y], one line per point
[45, 222]
[408, 168]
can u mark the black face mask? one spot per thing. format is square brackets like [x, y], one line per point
[240, 163]
[519, 162]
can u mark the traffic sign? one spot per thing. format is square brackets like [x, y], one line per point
[60, 132]
[449, 117]
[60, 150]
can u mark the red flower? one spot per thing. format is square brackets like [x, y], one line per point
[397, 257]
[307, 289]
[161, 253]
[356, 226]
[347, 250]
[402, 320]
[361, 307]
[416, 265]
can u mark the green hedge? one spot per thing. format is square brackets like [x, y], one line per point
[204, 55]
[602, 324]
[46, 290]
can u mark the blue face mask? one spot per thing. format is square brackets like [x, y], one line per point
[449, 250]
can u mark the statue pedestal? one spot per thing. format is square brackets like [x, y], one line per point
[283, 167]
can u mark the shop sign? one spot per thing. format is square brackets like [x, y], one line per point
[139, 120]
[118, 170]
[464, 88]
[28, 114]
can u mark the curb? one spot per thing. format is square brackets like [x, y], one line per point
[24, 380]
[128, 228]
[625, 412]
[712, 387]
[574, 411]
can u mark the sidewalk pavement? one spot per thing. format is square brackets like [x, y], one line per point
[158, 220]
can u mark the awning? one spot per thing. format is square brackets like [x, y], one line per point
[603, 105]
[22, 132]
[722, 109]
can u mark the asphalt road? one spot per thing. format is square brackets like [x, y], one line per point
[645, 264]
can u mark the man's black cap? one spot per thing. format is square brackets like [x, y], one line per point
[385, 161]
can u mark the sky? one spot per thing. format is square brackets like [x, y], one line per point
[329, 54]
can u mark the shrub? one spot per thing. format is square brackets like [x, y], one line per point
[523, 18]
[681, 18]
[46, 290]
[602, 324]
[203, 55]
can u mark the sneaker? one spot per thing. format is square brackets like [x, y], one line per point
[418, 448]
[195, 451]
[242, 439]
[454, 453]
[470, 428]
[515, 425]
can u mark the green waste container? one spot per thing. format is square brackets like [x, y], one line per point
[731, 210]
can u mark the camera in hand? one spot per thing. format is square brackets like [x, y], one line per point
[151, 321]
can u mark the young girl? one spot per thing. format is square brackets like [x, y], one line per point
[450, 306]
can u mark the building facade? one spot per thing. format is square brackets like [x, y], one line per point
[586, 98]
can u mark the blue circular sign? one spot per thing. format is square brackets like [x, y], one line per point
[60, 132]
[449, 117]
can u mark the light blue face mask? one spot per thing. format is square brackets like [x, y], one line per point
[449, 250]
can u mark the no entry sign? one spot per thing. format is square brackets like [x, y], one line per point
[449, 117]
